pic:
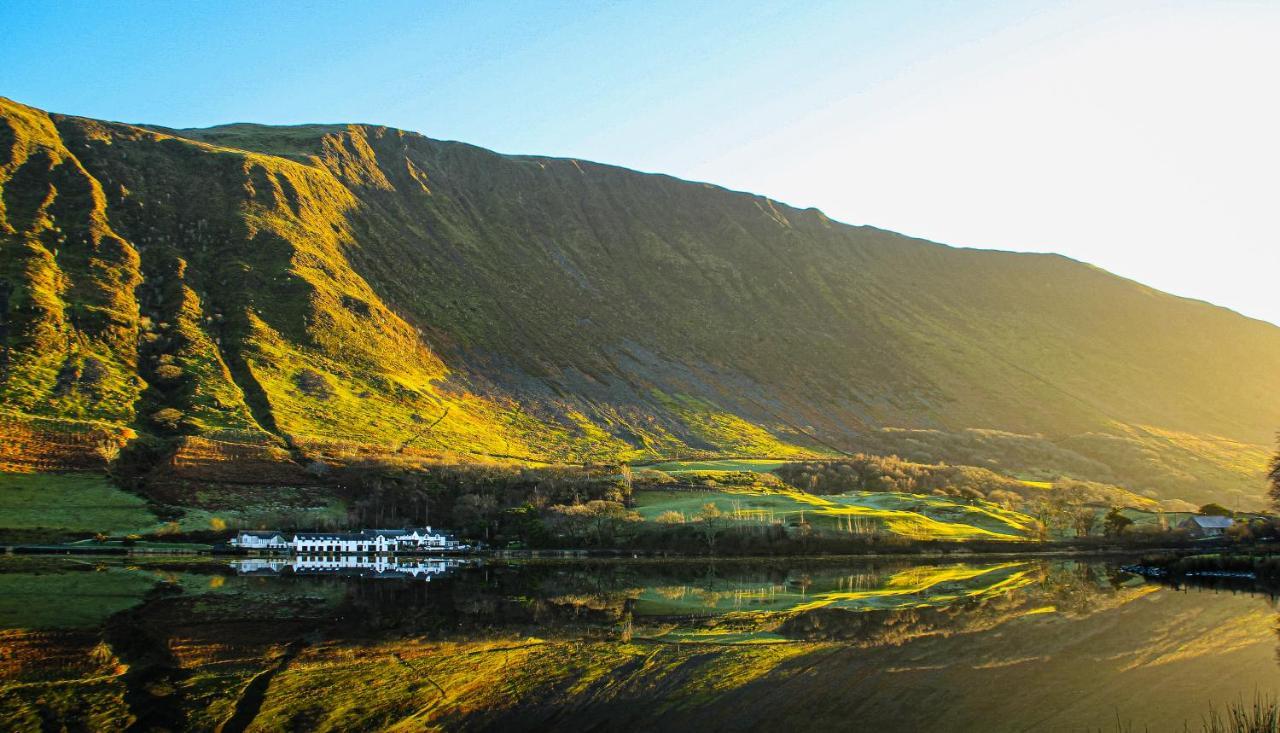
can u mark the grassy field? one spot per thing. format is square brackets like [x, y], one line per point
[910, 515]
[73, 502]
[85, 502]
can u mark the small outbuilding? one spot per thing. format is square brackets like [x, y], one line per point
[260, 541]
[1202, 527]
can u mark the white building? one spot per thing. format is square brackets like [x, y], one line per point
[1203, 526]
[260, 541]
[422, 539]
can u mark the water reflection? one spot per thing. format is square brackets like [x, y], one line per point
[352, 566]
[341, 643]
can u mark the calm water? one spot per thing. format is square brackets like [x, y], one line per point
[430, 644]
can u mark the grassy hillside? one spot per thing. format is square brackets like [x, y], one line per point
[327, 292]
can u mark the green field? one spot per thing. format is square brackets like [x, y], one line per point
[910, 515]
[85, 502]
[74, 502]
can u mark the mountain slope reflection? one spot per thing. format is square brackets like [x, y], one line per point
[672, 646]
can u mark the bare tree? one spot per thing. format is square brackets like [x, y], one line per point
[1275, 478]
[1085, 519]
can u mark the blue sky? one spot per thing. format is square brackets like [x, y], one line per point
[1139, 136]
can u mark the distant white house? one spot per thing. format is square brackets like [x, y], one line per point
[260, 541]
[1205, 526]
[423, 539]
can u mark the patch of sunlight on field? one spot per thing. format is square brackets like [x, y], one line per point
[753, 465]
[723, 636]
[910, 515]
[1046, 485]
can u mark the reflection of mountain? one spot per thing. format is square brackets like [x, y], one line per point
[914, 587]
[933, 647]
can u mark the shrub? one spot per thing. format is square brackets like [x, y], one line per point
[1215, 510]
[313, 384]
[92, 372]
[169, 372]
[167, 418]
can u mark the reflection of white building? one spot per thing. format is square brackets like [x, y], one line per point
[423, 539]
[374, 566]
[259, 566]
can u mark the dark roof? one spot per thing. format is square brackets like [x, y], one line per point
[337, 536]
[364, 534]
[263, 535]
[1213, 522]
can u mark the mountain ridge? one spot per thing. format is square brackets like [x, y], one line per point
[338, 288]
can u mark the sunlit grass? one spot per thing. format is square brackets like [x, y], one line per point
[909, 515]
[760, 465]
[79, 502]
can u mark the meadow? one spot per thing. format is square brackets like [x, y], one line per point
[74, 502]
[908, 515]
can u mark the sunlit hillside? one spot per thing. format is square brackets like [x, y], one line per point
[272, 297]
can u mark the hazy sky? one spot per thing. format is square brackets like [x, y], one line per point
[1140, 136]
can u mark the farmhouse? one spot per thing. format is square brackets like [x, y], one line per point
[423, 539]
[1200, 526]
[261, 541]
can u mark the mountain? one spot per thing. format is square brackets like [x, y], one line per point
[264, 296]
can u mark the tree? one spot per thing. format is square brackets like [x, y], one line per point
[606, 518]
[598, 520]
[1116, 523]
[712, 522]
[474, 512]
[1215, 510]
[669, 517]
[1085, 519]
[1240, 532]
[525, 522]
[167, 418]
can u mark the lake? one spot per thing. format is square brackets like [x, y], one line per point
[421, 644]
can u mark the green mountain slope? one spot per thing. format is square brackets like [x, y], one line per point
[332, 291]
